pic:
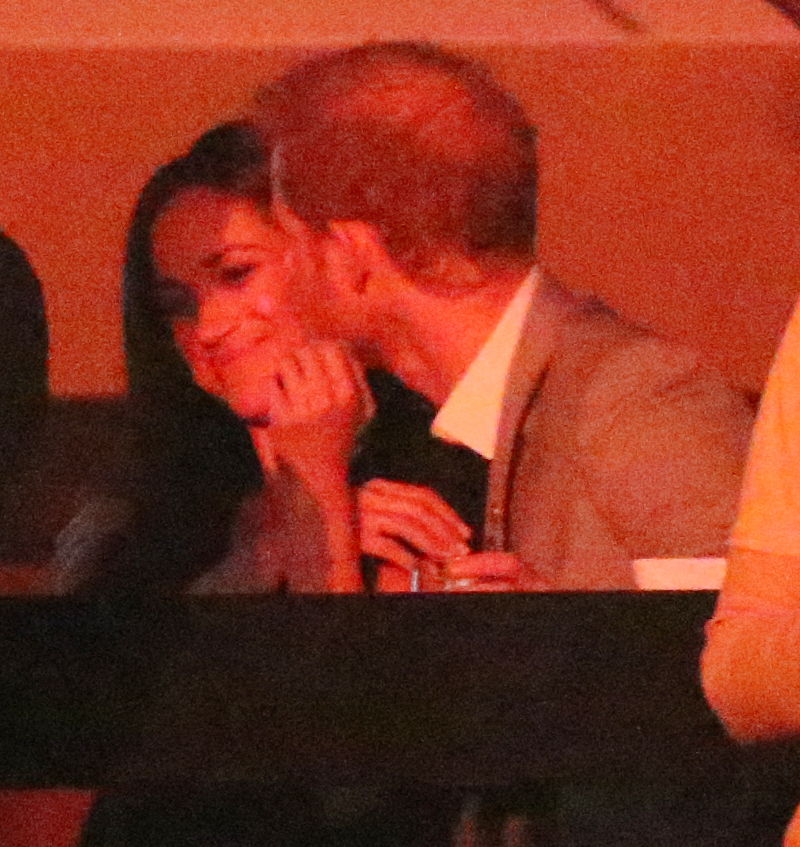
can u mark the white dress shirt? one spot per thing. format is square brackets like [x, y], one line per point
[471, 414]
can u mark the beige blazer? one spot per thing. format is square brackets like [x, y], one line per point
[614, 444]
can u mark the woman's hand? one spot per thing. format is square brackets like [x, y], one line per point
[318, 398]
[422, 540]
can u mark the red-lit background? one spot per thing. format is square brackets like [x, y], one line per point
[669, 162]
[669, 178]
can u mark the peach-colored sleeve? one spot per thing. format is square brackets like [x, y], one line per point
[769, 516]
[751, 662]
[751, 670]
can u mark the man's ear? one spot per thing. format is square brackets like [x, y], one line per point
[360, 248]
[288, 219]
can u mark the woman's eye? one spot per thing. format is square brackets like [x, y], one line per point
[175, 302]
[233, 274]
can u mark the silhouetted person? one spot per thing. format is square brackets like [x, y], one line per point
[23, 360]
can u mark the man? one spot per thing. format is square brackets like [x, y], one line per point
[750, 667]
[407, 178]
[409, 175]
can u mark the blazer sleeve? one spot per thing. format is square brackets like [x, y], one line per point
[665, 441]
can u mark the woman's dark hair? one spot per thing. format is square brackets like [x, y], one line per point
[190, 460]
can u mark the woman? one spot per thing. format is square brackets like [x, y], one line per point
[210, 316]
[236, 471]
[213, 311]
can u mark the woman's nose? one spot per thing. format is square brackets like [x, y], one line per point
[216, 318]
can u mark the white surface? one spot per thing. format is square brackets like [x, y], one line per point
[679, 574]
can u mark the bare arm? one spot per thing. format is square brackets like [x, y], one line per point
[317, 402]
[751, 664]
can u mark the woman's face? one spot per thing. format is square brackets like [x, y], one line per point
[225, 284]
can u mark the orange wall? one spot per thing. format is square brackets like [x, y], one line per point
[669, 178]
[254, 23]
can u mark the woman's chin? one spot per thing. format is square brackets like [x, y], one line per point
[250, 411]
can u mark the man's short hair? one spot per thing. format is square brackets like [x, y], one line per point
[420, 142]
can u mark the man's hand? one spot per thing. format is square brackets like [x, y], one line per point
[400, 523]
[475, 572]
[491, 571]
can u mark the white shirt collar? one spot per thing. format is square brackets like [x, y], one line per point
[471, 414]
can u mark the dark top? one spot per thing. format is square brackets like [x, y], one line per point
[398, 445]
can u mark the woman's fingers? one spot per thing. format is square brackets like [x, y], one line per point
[343, 377]
[415, 533]
[318, 380]
[401, 496]
[317, 402]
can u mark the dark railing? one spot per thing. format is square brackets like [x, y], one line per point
[462, 690]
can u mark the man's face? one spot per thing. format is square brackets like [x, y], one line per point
[352, 290]
[326, 283]
[421, 333]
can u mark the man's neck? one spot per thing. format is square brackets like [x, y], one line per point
[431, 326]
[475, 315]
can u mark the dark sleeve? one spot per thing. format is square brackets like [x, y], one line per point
[165, 514]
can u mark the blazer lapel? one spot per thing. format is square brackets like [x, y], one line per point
[534, 351]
